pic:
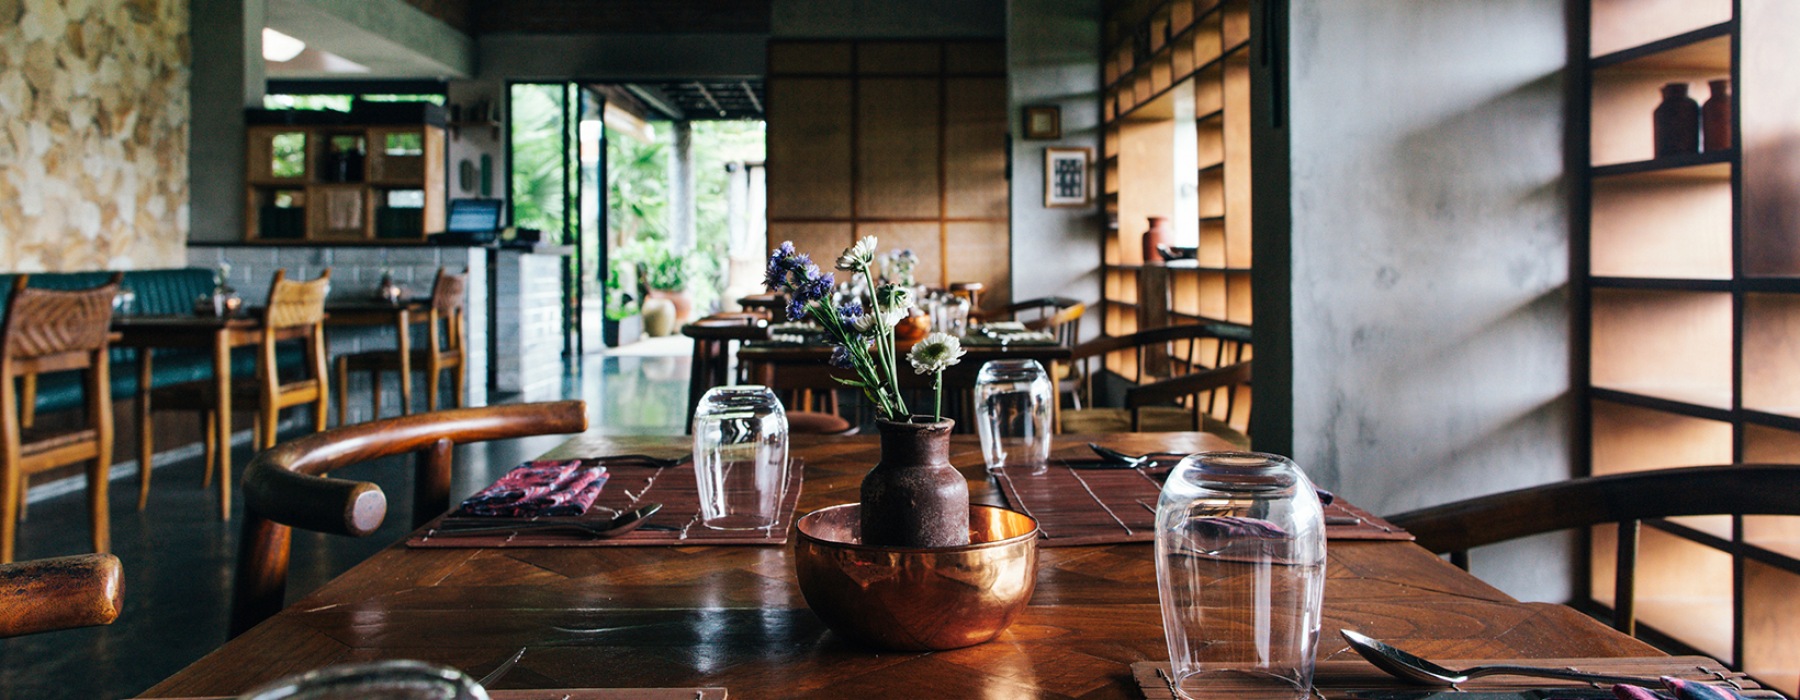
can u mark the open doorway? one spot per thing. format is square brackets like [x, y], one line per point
[658, 187]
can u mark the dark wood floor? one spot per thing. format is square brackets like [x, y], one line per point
[178, 556]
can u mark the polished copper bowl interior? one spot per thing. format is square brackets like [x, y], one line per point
[917, 599]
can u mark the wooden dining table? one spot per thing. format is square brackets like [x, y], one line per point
[733, 616]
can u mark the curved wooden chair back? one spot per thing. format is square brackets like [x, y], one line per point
[447, 311]
[53, 331]
[287, 487]
[45, 595]
[1625, 499]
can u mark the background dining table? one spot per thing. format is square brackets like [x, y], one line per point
[733, 616]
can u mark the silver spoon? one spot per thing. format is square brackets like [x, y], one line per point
[1408, 667]
[625, 522]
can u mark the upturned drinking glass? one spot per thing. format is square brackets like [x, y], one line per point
[740, 457]
[1013, 399]
[379, 680]
[1240, 566]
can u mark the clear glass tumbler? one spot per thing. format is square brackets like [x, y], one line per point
[1013, 399]
[1240, 566]
[740, 457]
[379, 680]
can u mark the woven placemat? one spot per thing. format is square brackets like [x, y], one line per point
[1075, 506]
[596, 694]
[1355, 679]
[628, 488]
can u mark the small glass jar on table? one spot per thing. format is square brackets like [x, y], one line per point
[740, 457]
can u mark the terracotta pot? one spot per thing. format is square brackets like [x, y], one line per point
[913, 497]
[684, 304]
[912, 329]
[1155, 237]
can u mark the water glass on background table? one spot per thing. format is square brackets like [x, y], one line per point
[379, 680]
[740, 457]
[1013, 399]
[1240, 571]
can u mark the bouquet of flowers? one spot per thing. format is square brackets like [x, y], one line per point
[863, 337]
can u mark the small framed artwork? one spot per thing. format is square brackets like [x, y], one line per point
[1043, 122]
[1066, 177]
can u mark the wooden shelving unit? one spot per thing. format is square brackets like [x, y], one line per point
[1688, 290]
[1176, 107]
[294, 195]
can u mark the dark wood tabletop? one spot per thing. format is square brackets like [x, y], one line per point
[732, 616]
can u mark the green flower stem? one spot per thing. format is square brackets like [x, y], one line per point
[937, 388]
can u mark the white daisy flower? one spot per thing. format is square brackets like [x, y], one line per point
[935, 353]
[858, 256]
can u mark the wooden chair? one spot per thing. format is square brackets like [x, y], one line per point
[1625, 499]
[287, 487]
[295, 312]
[444, 352]
[1058, 315]
[1182, 378]
[45, 595]
[56, 331]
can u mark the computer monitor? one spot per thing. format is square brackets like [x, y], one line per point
[473, 215]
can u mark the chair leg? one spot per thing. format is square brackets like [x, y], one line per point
[24, 492]
[459, 384]
[210, 448]
[375, 393]
[343, 390]
[146, 449]
[9, 515]
[431, 391]
[99, 506]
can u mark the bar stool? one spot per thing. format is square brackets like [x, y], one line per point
[56, 331]
[444, 351]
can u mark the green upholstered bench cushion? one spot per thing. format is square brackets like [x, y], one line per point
[159, 292]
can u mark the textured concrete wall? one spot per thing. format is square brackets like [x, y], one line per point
[1053, 49]
[1430, 257]
[93, 134]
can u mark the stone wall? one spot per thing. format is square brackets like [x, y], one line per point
[93, 134]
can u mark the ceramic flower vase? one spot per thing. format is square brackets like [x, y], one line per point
[913, 497]
[1156, 237]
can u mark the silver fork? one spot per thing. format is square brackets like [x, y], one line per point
[501, 670]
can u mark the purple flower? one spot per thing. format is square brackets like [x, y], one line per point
[796, 309]
[796, 275]
[848, 313]
[840, 357]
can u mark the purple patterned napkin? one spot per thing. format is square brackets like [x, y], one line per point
[537, 489]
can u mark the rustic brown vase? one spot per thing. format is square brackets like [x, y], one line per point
[913, 497]
[1155, 237]
[1715, 117]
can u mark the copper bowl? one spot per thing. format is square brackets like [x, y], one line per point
[917, 599]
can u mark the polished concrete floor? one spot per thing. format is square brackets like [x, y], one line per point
[178, 556]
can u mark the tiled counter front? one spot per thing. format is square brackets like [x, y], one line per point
[356, 273]
[528, 319]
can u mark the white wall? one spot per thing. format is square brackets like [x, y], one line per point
[1430, 257]
[1053, 50]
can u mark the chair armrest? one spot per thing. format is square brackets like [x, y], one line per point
[1166, 390]
[60, 593]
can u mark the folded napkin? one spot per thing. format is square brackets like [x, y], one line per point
[1682, 689]
[533, 489]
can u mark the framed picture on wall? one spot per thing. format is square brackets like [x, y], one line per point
[1043, 122]
[1066, 177]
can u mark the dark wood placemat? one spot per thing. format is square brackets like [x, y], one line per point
[1076, 506]
[1348, 679]
[627, 488]
[598, 694]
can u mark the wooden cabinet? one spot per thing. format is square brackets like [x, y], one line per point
[301, 188]
[1176, 144]
[902, 140]
[1688, 303]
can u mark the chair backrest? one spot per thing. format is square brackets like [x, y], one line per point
[295, 303]
[45, 595]
[1626, 499]
[286, 487]
[447, 309]
[48, 330]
